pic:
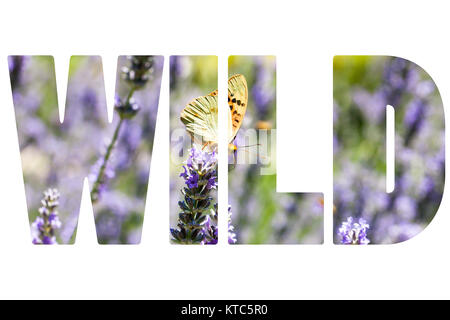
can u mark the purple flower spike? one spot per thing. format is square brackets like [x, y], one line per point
[200, 169]
[197, 221]
[231, 233]
[354, 232]
[47, 222]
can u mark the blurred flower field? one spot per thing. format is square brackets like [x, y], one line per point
[57, 157]
[116, 157]
[257, 213]
[364, 212]
[260, 214]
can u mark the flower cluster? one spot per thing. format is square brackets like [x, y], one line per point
[211, 231]
[139, 70]
[210, 228]
[231, 233]
[47, 222]
[352, 232]
[200, 176]
[126, 109]
[200, 169]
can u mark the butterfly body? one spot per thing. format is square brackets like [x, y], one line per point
[200, 115]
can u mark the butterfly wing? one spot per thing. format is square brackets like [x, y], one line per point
[230, 120]
[200, 116]
[200, 119]
[237, 101]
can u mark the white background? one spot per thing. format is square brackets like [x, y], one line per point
[304, 37]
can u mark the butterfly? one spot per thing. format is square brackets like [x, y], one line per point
[200, 115]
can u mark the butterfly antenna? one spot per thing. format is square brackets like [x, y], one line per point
[251, 145]
[246, 150]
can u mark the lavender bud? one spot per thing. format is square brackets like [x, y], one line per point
[138, 71]
[126, 109]
[47, 222]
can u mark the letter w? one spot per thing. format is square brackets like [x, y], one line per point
[57, 157]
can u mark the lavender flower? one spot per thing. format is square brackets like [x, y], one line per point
[47, 222]
[101, 172]
[137, 73]
[200, 175]
[414, 119]
[210, 228]
[126, 109]
[353, 232]
[231, 233]
[201, 165]
[16, 66]
[175, 71]
[211, 231]
[399, 75]
[139, 70]
[405, 207]
[263, 93]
